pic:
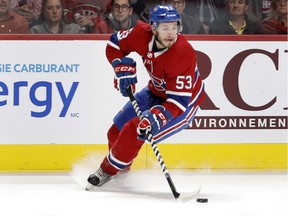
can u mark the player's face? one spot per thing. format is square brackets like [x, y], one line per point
[53, 11]
[166, 34]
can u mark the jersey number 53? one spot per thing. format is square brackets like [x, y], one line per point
[184, 82]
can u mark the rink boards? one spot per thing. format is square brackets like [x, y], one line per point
[39, 158]
[57, 103]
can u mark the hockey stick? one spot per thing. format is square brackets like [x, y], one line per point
[183, 197]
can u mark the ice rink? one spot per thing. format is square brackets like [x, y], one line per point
[144, 192]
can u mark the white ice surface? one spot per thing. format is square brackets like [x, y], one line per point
[144, 192]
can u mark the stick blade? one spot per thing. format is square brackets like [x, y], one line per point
[185, 197]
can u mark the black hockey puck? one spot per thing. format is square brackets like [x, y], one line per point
[202, 200]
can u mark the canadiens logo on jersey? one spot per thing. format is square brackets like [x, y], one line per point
[88, 9]
[158, 83]
[83, 7]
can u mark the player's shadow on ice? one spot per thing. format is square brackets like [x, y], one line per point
[121, 186]
[148, 194]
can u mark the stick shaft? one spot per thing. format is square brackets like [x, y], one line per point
[153, 144]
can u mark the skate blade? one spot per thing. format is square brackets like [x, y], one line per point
[90, 187]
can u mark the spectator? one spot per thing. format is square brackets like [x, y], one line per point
[140, 10]
[191, 24]
[10, 21]
[254, 11]
[265, 8]
[85, 13]
[235, 20]
[207, 11]
[120, 18]
[52, 20]
[30, 9]
[276, 22]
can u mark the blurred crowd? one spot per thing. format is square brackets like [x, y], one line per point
[108, 16]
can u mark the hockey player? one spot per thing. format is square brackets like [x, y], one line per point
[169, 101]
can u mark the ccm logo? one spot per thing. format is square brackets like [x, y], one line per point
[125, 69]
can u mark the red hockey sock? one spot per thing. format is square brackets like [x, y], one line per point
[124, 149]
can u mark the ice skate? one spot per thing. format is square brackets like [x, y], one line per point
[98, 179]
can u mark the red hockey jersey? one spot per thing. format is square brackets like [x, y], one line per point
[173, 72]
